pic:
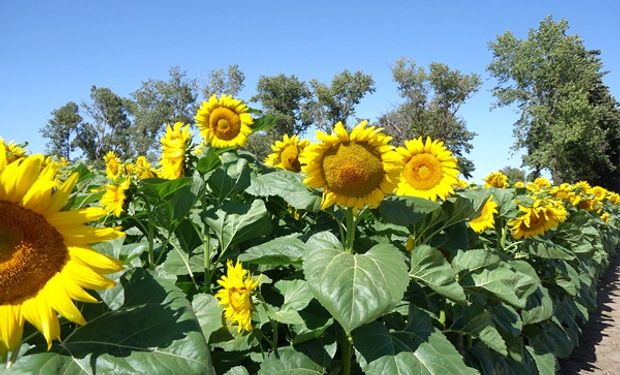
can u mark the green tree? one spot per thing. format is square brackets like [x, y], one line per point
[158, 103]
[432, 100]
[337, 101]
[514, 174]
[108, 125]
[230, 81]
[60, 129]
[569, 123]
[286, 99]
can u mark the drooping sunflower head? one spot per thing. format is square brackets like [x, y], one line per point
[286, 153]
[45, 257]
[236, 295]
[225, 122]
[486, 220]
[538, 218]
[429, 169]
[143, 169]
[174, 146]
[114, 168]
[113, 200]
[496, 179]
[355, 169]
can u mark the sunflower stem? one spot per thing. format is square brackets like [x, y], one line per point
[351, 222]
[13, 358]
[347, 354]
[3, 357]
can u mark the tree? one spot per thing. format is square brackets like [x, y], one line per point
[286, 99]
[158, 103]
[59, 129]
[108, 125]
[432, 100]
[337, 102]
[569, 123]
[229, 82]
[514, 174]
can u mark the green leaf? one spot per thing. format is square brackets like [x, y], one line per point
[406, 211]
[286, 185]
[236, 222]
[297, 294]
[209, 313]
[429, 267]
[418, 349]
[283, 251]
[148, 328]
[356, 289]
[209, 161]
[233, 175]
[477, 322]
[323, 240]
[538, 307]
[263, 123]
[237, 370]
[545, 362]
[290, 362]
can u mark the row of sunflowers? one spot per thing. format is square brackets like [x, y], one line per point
[344, 255]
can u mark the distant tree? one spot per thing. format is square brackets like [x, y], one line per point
[514, 174]
[61, 128]
[432, 100]
[220, 81]
[337, 101]
[108, 126]
[569, 123]
[286, 99]
[158, 103]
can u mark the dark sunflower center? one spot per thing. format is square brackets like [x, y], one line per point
[239, 299]
[31, 252]
[353, 169]
[225, 123]
[290, 158]
[423, 171]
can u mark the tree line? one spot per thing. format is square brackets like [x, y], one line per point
[569, 122]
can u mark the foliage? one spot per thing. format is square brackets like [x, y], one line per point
[569, 122]
[432, 100]
[337, 101]
[62, 130]
[229, 82]
[513, 174]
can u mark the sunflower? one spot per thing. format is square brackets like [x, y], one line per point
[614, 198]
[113, 200]
[113, 166]
[496, 179]
[542, 183]
[143, 169]
[565, 192]
[12, 150]
[486, 219]
[353, 169]
[45, 257]
[519, 185]
[225, 122]
[599, 192]
[286, 153]
[236, 295]
[174, 145]
[429, 170]
[541, 216]
[605, 217]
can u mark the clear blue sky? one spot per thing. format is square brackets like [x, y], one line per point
[52, 52]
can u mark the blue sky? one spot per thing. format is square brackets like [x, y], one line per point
[52, 52]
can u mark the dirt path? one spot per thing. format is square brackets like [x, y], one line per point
[599, 350]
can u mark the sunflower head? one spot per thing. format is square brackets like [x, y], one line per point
[46, 262]
[174, 145]
[236, 295]
[113, 200]
[542, 183]
[486, 220]
[605, 217]
[538, 218]
[353, 169]
[224, 122]
[286, 153]
[114, 168]
[12, 150]
[614, 198]
[519, 185]
[599, 193]
[429, 169]
[496, 179]
[143, 169]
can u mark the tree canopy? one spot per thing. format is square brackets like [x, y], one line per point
[569, 123]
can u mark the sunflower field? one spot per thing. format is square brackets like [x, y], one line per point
[344, 255]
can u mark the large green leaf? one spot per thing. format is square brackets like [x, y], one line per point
[538, 307]
[429, 267]
[235, 222]
[283, 251]
[477, 322]
[419, 349]
[209, 313]
[286, 185]
[297, 294]
[406, 211]
[147, 326]
[356, 289]
[289, 361]
[232, 176]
